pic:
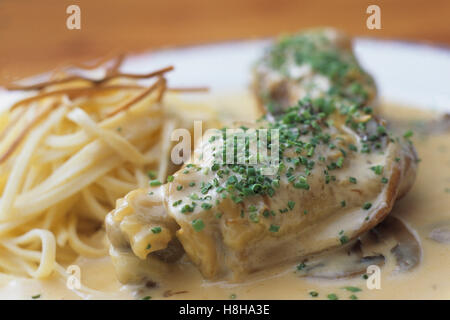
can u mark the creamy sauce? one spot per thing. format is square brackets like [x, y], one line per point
[425, 207]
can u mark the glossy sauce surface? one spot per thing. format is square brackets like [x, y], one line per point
[425, 208]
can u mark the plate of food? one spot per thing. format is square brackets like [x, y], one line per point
[310, 166]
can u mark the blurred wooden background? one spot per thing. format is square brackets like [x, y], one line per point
[34, 37]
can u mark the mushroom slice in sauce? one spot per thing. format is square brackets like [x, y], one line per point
[342, 263]
[373, 248]
[407, 249]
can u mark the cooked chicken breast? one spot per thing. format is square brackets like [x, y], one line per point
[338, 174]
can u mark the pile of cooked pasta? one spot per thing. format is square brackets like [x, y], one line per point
[67, 153]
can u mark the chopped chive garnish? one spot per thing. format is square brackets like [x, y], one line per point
[232, 180]
[291, 204]
[254, 217]
[367, 206]
[176, 203]
[156, 229]
[198, 224]
[381, 129]
[332, 296]
[343, 239]
[301, 185]
[187, 208]
[206, 206]
[352, 147]
[301, 266]
[352, 289]
[236, 199]
[377, 169]
[314, 294]
[274, 228]
[194, 196]
[408, 134]
[155, 183]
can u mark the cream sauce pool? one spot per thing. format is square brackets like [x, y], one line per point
[425, 208]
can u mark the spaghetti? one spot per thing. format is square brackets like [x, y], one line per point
[66, 154]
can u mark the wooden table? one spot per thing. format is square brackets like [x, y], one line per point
[34, 36]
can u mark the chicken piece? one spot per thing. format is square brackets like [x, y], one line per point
[338, 175]
[142, 236]
[314, 63]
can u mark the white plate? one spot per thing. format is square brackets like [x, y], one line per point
[405, 73]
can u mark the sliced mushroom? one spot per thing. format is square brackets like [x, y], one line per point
[369, 249]
[346, 262]
[407, 250]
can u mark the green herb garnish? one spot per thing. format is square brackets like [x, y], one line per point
[155, 183]
[332, 296]
[198, 224]
[156, 229]
[274, 228]
[367, 206]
